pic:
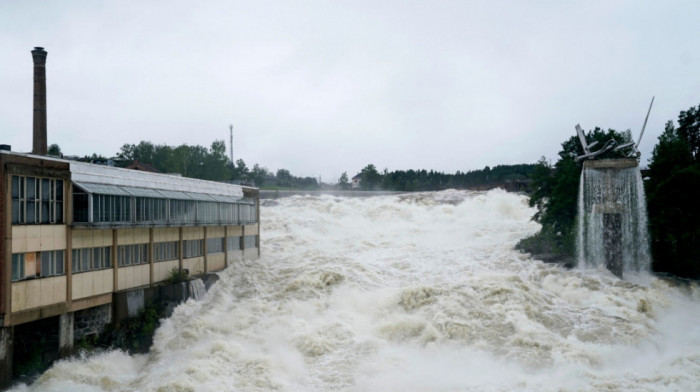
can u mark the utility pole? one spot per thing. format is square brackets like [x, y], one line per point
[230, 127]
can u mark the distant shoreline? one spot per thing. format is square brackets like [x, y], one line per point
[276, 194]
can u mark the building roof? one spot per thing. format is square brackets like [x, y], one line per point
[118, 181]
[82, 173]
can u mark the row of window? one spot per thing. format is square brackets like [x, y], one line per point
[163, 251]
[128, 209]
[37, 264]
[50, 263]
[91, 259]
[36, 200]
[132, 254]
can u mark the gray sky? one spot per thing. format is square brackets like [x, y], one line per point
[322, 87]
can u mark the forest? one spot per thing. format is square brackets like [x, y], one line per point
[672, 190]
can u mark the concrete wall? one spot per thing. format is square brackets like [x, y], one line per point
[166, 234]
[235, 231]
[33, 293]
[215, 232]
[216, 262]
[91, 238]
[194, 264]
[192, 233]
[36, 238]
[162, 269]
[88, 284]
[133, 236]
[133, 276]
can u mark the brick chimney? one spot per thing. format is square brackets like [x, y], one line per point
[39, 143]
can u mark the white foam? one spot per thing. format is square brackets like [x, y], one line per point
[420, 292]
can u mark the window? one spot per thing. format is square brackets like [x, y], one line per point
[150, 209]
[52, 263]
[215, 245]
[163, 251]
[102, 257]
[229, 213]
[132, 254]
[248, 213]
[111, 208]
[183, 210]
[207, 211]
[234, 243]
[90, 259]
[250, 241]
[192, 248]
[36, 200]
[17, 266]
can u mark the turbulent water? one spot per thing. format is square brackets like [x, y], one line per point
[409, 293]
[618, 191]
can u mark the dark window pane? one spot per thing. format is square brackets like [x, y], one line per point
[45, 263]
[59, 262]
[31, 213]
[15, 187]
[30, 188]
[45, 212]
[45, 189]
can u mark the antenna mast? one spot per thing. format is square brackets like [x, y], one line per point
[230, 127]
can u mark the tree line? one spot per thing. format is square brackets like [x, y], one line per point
[672, 190]
[198, 162]
[514, 176]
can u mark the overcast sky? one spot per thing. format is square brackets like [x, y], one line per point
[322, 87]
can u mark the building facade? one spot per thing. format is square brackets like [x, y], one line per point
[75, 233]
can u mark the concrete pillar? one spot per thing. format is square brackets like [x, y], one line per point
[612, 242]
[6, 350]
[65, 334]
[39, 143]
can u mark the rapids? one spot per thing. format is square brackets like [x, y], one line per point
[419, 292]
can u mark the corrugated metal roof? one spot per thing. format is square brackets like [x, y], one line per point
[200, 196]
[226, 199]
[175, 195]
[102, 189]
[143, 192]
[97, 174]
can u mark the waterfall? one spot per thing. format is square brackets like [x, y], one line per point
[612, 219]
[197, 289]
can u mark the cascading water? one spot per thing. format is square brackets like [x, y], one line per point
[197, 289]
[421, 292]
[612, 219]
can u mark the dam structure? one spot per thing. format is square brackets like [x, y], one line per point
[86, 245]
[612, 218]
[612, 210]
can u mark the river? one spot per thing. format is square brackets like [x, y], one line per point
[421, 292]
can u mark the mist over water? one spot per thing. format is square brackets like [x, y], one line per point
[422, 292]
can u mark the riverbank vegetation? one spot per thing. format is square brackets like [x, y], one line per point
[672, 188]
[673, 197]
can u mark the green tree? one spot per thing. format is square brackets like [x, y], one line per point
[284, 178]
[54, 150]
[370, 177]
[258, 175]
[240, 171]
[344, 182]
[673, 191]
[555, 194]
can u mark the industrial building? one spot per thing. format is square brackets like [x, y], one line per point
[75, 235]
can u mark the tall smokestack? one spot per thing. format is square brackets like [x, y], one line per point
[39, 143]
